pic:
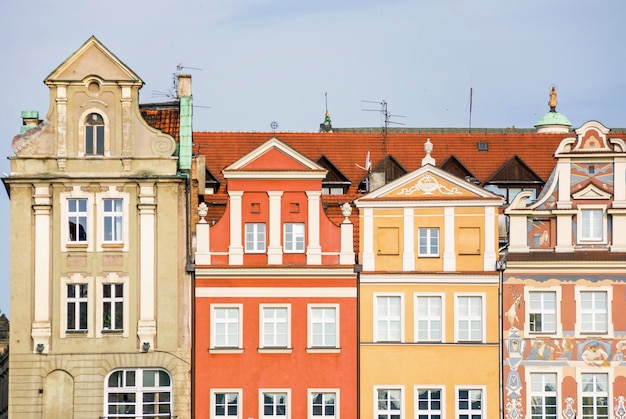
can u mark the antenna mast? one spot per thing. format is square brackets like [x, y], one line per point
[470, 109]
[387, 118]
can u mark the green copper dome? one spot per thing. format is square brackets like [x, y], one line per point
[553, 118]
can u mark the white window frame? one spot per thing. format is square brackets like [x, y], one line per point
[76, 279]
[110, 279]
[440, 318]
[312, 391]
[82, 151]
[580, 372]
[388, 318]
[263, 391]
[458, 318]
[226, 348]
[377, 412]
[578, 330]
[529, 371]
[471, 412]
[253, 245]
[113, 193]
[426, 234]
[139, 390]
[595, 237]
[323, 348]
[66, 244]
[215, 392]
[297, 238]
[558, 333]
[263, 347]
[429, 387]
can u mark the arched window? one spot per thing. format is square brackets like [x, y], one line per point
[94, 134]
[138, 393]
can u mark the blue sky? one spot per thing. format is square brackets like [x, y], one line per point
[274, 60]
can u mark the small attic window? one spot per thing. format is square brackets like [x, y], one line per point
[94, 134]
[482, 146]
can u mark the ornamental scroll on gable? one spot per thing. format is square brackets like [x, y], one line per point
[428, 184]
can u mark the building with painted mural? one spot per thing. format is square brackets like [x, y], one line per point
[428, 292]
[100, 293]
[565, 285]
[275, 293]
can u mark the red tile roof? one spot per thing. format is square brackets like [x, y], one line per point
[346, 150]
[162, 116]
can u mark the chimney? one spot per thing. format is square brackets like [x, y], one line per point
[30, 119]
[377, 179]
[186, 113]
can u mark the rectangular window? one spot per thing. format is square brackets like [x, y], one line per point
[428, 242]
[324, 405]
[388, 318]
[226, 327]
[469, 319]
[429, 403]
[274, 405]
[294, 237]
[543, 396]
[323, 327]
[113, 307]
[275, 327]
[77, 307]
[113, 216]
[591, 225]
[77, 220]
[593, 312]
[389, 403]
[255, 237]
[595, 396]
[226, 404]
[542, 311]
[428, 309]
[470, 403]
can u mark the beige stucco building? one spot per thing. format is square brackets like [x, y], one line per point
[100, 296]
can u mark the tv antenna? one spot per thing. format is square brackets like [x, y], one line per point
[384, 113]
[368, 163]
[173, 92]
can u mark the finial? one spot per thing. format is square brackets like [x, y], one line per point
[346, 210]
[552, 102]
[327, 125]
[203, 209]
[428, 148]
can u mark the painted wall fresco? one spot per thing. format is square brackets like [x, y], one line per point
[563, 351]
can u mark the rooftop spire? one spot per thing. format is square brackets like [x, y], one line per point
[326, 126]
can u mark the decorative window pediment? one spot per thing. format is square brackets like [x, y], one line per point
[591, 191]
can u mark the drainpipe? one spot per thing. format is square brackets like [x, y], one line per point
[501, 267]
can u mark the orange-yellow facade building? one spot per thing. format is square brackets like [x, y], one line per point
[428, 297]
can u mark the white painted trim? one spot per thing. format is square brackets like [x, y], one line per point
[529, 370]
[235, 247]
[578, 289]
[369, 261]
[112, 193]
[239, 392]
[408, 253]
[262, 391]
[389, 387]
[559, 325]
[310, 392]
[471, 387]
[76, 193]
[251, 292]
[440, 387]
[213, 346]
[442, 315]
[313, 247]
[483, 320]
[375, 313]
[262, 346]
[449, 251]
[274, 248]
[309, 345]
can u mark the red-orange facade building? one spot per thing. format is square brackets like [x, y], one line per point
[275, 294]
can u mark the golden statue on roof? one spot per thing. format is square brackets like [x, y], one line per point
[552, 101]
